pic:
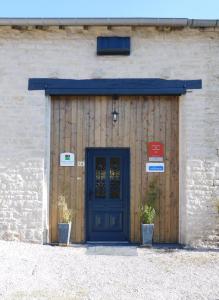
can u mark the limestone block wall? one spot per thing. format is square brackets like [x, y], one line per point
[21, 164]
[71, 53]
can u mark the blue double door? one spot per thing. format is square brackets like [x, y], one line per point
[107, 194]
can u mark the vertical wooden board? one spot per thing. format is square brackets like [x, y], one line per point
[88, 142]
[174, 182]
[161, 212]
[144, 141]
[92, 122]
[109, 124]
[116, 125]
[150, 119]
[51, 171]
[126, 143]
[87, 121]
[103, 118]
[51, 199]
[138, 166]
[166, 211]
[62, 187]
[132, 130]
[151, 136]
[80, 157]
[67, 148]
[121, 122]
[77, 179]
[77, 124]
[177, 172]
[97, 130]
[74, 169]
[156, 176]
[54, 170]
[126, 124]
[84, 145]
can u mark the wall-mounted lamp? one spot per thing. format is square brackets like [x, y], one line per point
[115, 115]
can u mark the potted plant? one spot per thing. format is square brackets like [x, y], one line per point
[64, 225]
[148, 214]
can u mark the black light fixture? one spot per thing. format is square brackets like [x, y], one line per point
[115, 113]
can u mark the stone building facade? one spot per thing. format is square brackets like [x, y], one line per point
[52, 51]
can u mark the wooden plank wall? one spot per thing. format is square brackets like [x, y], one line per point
[80, 122]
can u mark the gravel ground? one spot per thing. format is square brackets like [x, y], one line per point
[30, 271]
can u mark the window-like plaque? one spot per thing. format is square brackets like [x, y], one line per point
[100, 184]
[115, 177]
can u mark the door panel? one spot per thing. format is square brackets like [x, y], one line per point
[107, 193]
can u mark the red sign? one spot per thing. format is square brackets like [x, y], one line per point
[155, 149]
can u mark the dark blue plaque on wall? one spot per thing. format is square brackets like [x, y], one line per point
[113, 45]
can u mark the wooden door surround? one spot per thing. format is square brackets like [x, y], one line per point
[79, 122]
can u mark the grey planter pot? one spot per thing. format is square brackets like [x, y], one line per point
[147, 234]
[64, 233]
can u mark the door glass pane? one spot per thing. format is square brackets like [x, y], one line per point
[115, 177]
[100, 185]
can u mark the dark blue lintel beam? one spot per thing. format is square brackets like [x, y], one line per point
[125, 86]
[128, 92]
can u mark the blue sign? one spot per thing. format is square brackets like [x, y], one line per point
[155, 167]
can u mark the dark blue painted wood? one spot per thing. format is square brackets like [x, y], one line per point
[113, 45]
[126, 91]
[105, 208]
[125, 86]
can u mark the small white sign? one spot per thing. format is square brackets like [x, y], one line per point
[155, 158]
[81, 163]
[67, 159]
[155, 167]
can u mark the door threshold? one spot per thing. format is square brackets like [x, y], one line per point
[110, 243]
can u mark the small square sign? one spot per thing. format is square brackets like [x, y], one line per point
[155, 149]
[67, 159]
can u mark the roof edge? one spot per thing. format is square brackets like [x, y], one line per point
[172, 22]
